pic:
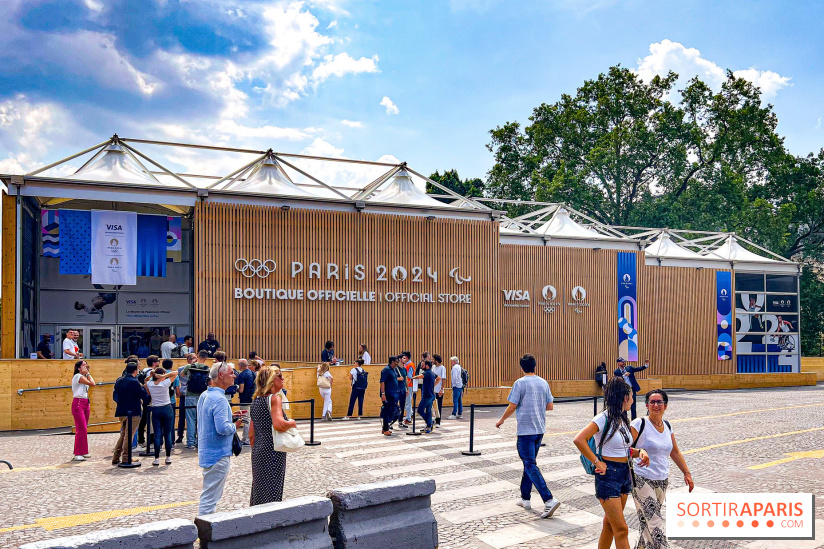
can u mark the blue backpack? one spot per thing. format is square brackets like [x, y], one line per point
[589, 467]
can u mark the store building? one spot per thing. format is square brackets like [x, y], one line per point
[288, 251]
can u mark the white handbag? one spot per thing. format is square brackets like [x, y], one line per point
[289, 441]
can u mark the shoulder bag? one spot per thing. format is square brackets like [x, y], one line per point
[324, 383]
[290, 441]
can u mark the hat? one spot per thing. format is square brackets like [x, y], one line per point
[620, 359]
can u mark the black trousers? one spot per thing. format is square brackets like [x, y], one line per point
[389, 412]
[439, 399]
[145, 420]
[634, 401]
[401, 406]
[181, 417]
[356, 394]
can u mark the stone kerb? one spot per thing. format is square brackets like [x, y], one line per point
[165, 534]
[295, 523]
[394, 513]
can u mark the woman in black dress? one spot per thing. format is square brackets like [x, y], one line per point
[268, 466]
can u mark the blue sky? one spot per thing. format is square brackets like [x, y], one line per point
[422, 81]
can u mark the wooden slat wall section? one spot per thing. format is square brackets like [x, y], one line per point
[677, 312]
[296, 330]
[7, 320]
[567, 345]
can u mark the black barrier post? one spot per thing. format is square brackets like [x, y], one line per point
[595, 405]
[149, 435]
[312, 441]
[413, 433]
[7, 463]
[471, 451]
[129, 463]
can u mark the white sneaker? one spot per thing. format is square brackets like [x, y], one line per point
[87, 456]
[550, 507]
[156, 462]
[168, 460]
[140, 448]
[525, 503]
[78, 458]
[460, 416]
[345, 418]
[451, 417]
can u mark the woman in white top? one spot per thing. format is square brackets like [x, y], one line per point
[439, 370]
[163, 415]
[613, 438]
[654, 434]
[357, 393]
[81, 381]
[325, 388]
[363, 354]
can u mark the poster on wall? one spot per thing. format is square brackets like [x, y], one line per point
[153, 308]
[627, 307]
[114, 247]
[723, 291]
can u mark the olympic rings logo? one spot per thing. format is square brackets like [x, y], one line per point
[255, 267]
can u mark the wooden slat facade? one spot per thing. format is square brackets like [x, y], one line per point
[296, 330]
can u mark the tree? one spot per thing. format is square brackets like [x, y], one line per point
[452, 181]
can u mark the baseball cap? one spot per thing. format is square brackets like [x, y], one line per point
[620, 359]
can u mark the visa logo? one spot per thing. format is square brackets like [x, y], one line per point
[516, 295]
[131, 301]
[114, 227]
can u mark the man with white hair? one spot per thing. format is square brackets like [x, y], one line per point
[214, 436]
[457, 388]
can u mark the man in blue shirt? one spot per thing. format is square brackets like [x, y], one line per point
[531, 398]
[214, 436]
[628, 373]
[245, 389]
[389, 394]
[428, 381]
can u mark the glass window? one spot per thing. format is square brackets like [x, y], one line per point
[143, 340]
[782, 283]
[749, 282]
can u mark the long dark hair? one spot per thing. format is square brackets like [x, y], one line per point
[615, 393]
[77, 366]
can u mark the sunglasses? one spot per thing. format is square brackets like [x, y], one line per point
[279, 375]
[656, 403]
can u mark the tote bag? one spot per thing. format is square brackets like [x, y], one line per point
[290, 441]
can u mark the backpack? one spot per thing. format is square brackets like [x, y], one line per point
[464, 377]
[198, 380]
[362, 381]
[176, 352]
[589, 467]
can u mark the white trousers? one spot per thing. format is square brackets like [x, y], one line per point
[214, 480]
[327, 400]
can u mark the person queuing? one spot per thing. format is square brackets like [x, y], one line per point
[627, 373]
[168, 346]
[183, 382]
[214, 435]
[411, 385]
[654, 434]
[363, 353]
[389, 393]
[152, 363]
[530, 399]
[44, 351]
[613, 482]
[197, 374]
[210, 345]
[428, 381]
[187, 347]
[81, 381]
[440, 371]
[130, 397]
[403, 389]
[324, 383]
[159, 385]
[245, 381]
[359, 380]
[457, 388]
[71, 350]
[268, 466]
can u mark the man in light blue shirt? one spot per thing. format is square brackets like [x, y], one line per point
[530, 399]
[214, 436]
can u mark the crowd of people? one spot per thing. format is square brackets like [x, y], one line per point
[627, 455]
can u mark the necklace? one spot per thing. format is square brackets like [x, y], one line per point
[659, 425]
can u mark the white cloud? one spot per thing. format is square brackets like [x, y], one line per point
[230, 128]
[668, 56]
[342, 64]
[27, 130]
[352, 123]
[320, 147]
[332, 25]
[391, 108]
[335, 6]
[94, 5]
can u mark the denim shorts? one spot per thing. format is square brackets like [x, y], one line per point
[615, 482]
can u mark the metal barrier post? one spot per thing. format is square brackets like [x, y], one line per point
[7, 463]
[595, 405]
[414, 413]
[471, 451]
[312, 441]
[129, 463]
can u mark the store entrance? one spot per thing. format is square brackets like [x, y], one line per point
[93, 342]
[143, 340]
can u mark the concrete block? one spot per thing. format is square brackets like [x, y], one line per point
[394, 513]
[165, 534]
[295, 523]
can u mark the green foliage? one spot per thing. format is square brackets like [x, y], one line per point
[452, 181]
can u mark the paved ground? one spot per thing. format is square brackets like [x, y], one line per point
[722, 432]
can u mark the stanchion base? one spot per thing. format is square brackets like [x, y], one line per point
[146, 454]
[415, 434]
[129, 465]
[316, 443]
[468, 453]
[543, 444]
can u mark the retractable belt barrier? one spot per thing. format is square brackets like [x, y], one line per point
[473, 452]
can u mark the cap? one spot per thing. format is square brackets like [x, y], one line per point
[620, 359]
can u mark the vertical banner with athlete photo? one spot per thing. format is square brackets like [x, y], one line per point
[114, 247]
[723, 293]
[627, 307]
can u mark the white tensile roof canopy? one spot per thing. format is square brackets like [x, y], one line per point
[663, 246]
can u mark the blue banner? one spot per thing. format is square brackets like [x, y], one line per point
[75, 242]
[627, 307]
[723, 300]
[151, 245]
